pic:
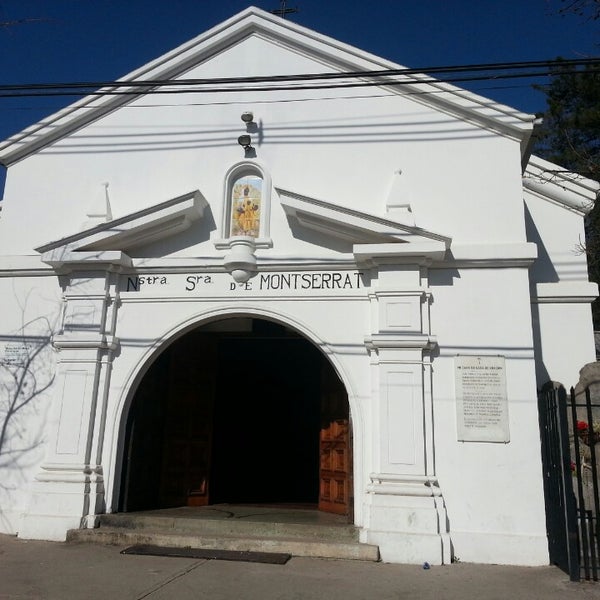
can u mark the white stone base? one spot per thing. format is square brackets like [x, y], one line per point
[47, 527]
[406, 518]
[408, 548]
[500, 549]
[60, 501]
[9, 521]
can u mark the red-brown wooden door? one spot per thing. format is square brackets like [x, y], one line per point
[189, 423]
[335, 447]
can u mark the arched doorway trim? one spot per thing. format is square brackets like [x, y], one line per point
[118, 421]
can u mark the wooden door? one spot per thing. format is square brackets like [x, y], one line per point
[145, 428]
[189, 422]
[335, 447]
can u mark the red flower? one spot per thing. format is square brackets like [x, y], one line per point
[582, 426]
[573, 466]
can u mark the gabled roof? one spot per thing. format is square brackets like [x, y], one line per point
[253, 21]
[557, 184]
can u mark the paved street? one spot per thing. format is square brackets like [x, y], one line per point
[53, 571]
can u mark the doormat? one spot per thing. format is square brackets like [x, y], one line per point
[272, 558]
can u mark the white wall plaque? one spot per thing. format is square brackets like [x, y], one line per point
[481, 402]
[14, 354]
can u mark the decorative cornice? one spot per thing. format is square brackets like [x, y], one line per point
[138, 228]
[556, 184]
[500, 255]
[70, 473]
[403, 485]
[24, 266]
[352, 225]
[105, 244]
[419, 253]
[99, 341]
[567, 292]
[64, 259]
[400, 341]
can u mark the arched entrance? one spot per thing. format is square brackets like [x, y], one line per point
[241, 410]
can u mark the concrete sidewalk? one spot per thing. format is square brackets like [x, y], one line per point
[55, 571]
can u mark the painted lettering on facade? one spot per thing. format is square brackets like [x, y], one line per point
[482, 404]
[134, 283]
[262, 283]
[194, 281]
[309, 281]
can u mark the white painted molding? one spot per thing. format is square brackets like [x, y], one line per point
[516, 254]
[565, 292]
[106, 243]
[174, 264]
[69, 473]
[378, 341]
[351, 225]
[555, 184]
[89, 341]
[24, 266]
[414, 252]
[390, 484]
[136, 229]
[61, 257]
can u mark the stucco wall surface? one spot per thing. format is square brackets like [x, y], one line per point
[423, 207]
[30, 316]
[339, 146]
[491, 487]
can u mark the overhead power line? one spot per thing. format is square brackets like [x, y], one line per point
[326, 76]
[387, 77]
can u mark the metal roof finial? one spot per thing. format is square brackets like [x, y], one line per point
[284, 10]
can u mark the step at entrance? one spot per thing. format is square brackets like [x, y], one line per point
[298, 532]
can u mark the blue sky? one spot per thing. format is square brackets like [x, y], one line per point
[91, 40]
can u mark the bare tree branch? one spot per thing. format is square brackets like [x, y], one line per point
[25, 376]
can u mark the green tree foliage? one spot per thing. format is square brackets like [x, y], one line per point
[570, 137]
[570, 133]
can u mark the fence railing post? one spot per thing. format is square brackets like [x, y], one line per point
[570, 505]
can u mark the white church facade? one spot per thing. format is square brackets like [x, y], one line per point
[352, 307]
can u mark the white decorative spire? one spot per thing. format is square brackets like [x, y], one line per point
[397, 205]
[99, 210]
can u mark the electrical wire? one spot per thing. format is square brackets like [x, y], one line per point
[377, 78]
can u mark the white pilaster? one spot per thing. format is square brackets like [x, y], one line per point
[405, 512]
[68, 492]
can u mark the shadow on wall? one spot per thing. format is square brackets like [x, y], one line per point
[541, 372]
[27, 371]
[379, 129]
[543, 268]
[197, 233]
[2, 182]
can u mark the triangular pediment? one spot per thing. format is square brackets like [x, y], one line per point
[110, 241]
[332, 54]
[352, 225]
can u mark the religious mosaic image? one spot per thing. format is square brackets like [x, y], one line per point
[246, 197]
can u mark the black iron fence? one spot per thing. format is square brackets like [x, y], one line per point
[570, 436]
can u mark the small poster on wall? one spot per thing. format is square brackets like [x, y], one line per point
[481, 401]
[14, 354]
